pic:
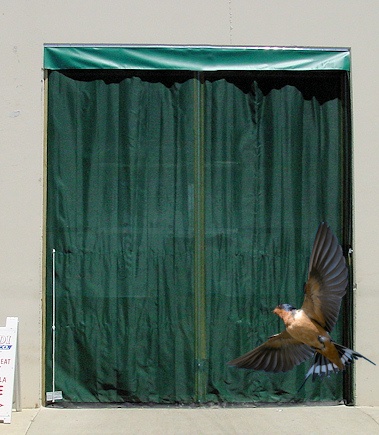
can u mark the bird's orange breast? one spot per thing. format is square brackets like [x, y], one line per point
[303, 329]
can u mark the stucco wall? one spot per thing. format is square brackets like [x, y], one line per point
[27, 25]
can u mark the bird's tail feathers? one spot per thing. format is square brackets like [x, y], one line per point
[348, 355]
[323, 367]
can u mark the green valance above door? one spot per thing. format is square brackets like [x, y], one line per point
[194, 58]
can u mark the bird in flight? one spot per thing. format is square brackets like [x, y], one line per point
[308, 328]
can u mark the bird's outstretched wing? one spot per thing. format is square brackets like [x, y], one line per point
[327, 279]
[279, 353]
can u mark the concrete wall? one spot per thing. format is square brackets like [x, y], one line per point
[27, 25]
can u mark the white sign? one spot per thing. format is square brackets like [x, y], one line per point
[8, 348]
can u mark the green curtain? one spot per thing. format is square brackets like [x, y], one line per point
[122, 216]
[274, 168]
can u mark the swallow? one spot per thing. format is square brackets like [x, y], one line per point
[307, 330]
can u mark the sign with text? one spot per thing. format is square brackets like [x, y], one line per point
[8, 348]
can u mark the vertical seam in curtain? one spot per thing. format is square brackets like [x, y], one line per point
[199, 242]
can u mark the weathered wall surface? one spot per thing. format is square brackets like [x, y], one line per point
[27, 25]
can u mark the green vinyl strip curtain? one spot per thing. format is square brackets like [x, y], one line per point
[182, 207]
